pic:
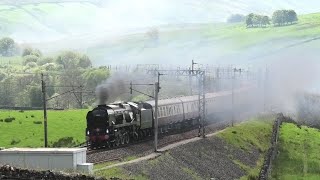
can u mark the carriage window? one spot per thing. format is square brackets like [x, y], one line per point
[160, 111]
[170, 111]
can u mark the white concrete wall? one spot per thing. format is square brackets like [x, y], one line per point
[44, 159]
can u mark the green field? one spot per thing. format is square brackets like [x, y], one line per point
[299, 153]
[25, 131]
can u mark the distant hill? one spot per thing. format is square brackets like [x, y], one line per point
[114, 32]
[44, 20]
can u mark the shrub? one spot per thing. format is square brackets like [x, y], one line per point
[9, 119]
[64, 142]
[32, 115]
[30, 59]
[37, 122]
[21, 111]
[15, 141]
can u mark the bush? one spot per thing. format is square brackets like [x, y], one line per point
[30, 58]
[32, 115]
[31, 65]
[29, 51]
[45, 60]
[9, 119]
[1, 120]
[15, 141]
[21, 111]
[37, 122]
[64, 142]
[235, 18]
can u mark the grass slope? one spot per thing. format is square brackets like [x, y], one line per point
[206, 42]
[24, 132]
[255, 133]
[34, 22]
[299, 153]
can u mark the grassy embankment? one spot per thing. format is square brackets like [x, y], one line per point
[255, 133]
[27, 128]
[298, 156]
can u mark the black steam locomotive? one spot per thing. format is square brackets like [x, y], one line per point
[119, 123]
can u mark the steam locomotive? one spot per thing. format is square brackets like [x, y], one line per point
[120, 123]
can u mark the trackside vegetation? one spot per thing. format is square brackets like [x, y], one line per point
[298, 156]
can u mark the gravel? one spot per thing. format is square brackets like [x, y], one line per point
[8, 172]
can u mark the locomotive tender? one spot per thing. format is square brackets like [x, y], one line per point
[120, 123]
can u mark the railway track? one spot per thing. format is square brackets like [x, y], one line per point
[146, 139]
[145, 147]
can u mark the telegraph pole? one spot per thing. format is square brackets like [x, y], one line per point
[233, 79]
[156, 92]
[156, 98]
[44, 111]
[191, 75]
[81, 97]
[265, 90]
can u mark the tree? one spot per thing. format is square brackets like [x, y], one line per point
[84, 62]
[73, 60]
[249, 20]
[256, 20]
[283, 17]
[45, 60]
[236, 18]
[265, 20]
[29, 51]
[292, 16]
[95, 76]
[277, 17]
[35, 96]
[7, 46]
[30, 58]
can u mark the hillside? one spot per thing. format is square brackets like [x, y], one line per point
[45, 20]
[213, 43]
[122, 36]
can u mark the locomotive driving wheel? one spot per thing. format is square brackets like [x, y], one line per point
[117, 141]
[126, 138]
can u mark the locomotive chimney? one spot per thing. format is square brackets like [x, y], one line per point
[102, 105]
